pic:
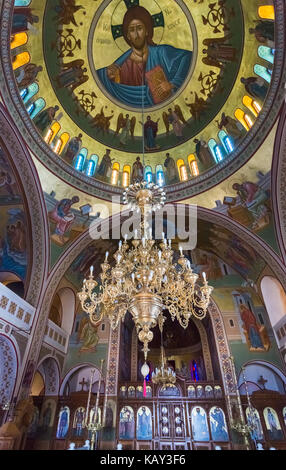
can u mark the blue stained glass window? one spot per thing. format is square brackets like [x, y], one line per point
[148, 174]
[263, 72]
[36, 107]
[80, 159]
[31, 90]
[266, 53]
[160, 179]
[91, 165]
[22, 3]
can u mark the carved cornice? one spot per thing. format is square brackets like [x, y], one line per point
[223, 170]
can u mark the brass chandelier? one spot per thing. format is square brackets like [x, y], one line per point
[164, 375]
[144, 279]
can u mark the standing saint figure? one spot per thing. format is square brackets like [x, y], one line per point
[147, 73]
[233, 127]
[175, 120]
[150, 133]
[28, 74]
[203, 153]
[263, 31]
[137, 171]
[72, 75]
[256, 87]
[73, 147]
[23, 19]
[125, 131]
[251, 327]
[170, 166]
[104, 168]
[45, 118]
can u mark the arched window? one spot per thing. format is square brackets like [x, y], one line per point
[29, 92]
[91, 165]
[36, 107]
[274, 298]
[80, 159]
[216, 150]
[144, 424]
[115, 173]
[22, 3]
[18, 39]
[218, 425]
[20, 59]
[266, 53]
[243, 118]
[266, 12]
[126, 176]
[52, 132]
[160, 179]
[182, 169]
[148, 175]
[61, 143]
[252, 105]
[226, 141]
[193, 164]
[263, 72]
[212, 144]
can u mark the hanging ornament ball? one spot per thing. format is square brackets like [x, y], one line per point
[145, 370]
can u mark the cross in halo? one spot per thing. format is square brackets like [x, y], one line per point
[117, 30]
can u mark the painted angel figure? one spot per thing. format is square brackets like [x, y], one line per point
[66, 11]
[72, 75]
[126, 126]
[218, 53]
[100, 121]
[176, 118]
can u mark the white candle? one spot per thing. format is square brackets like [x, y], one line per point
[135, 233]
[120, 244]
[163, 236]
[106, 255]
[91, 270]
[133, 277]
[170, 241]
[204, 276]
[181, 251]
[143, 242]
[125, 237]
[159, 254]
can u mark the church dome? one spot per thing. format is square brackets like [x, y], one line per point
[194, 106]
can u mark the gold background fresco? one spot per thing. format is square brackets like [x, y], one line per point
[204, 31]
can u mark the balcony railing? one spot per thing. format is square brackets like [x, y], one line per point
[14, 310]
[56, 337]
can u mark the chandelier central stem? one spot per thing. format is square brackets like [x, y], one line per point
[144, 280]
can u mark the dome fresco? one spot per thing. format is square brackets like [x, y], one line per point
[198, 95]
